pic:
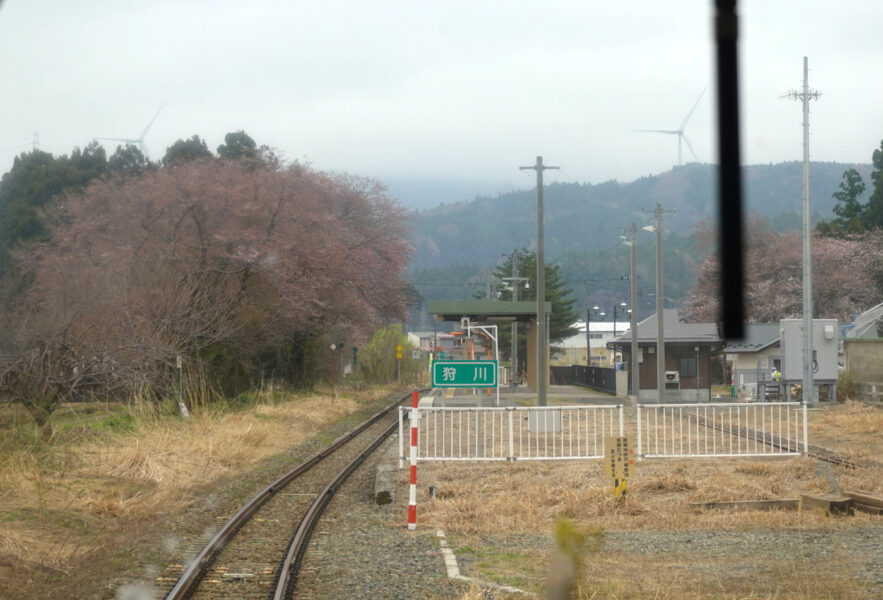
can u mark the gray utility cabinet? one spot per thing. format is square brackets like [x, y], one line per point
[825, 341]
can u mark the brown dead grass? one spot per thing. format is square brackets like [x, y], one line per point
[528, 497]
[58, 502]
[480, 501]
[853, 429]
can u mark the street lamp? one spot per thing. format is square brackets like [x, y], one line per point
[622, 306]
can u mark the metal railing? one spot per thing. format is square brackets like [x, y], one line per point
[513, 433]
[721, 430]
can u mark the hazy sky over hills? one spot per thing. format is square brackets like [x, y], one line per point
[459, 91]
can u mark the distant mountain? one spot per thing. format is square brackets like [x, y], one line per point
[581, 217]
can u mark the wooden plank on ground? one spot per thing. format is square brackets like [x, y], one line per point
[867, 498]
[867, 508]
[828, 505]
[750, 505]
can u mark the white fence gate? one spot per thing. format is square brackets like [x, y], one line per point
[721, 430]
[513, 433]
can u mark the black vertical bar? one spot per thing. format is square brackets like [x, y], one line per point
[730, 222]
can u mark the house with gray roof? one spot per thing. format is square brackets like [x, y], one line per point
[751, 360]
[692, 352]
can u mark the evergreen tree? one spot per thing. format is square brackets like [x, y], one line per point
[562, 316]
[848, 208]
[238, 145]
[127, 160]
[873, 215]
[29, 188]
[186, 150]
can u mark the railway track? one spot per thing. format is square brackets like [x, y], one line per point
[782, 443]
[257, 552]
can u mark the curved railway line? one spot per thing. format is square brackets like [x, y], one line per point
[783, 443]
[248, 550]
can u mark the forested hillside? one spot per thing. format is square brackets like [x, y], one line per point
[458, 245]
[584, 216]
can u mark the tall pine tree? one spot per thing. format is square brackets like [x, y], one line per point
[563, 314]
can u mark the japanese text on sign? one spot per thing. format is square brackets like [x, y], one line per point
[619, 457]
[464, 373]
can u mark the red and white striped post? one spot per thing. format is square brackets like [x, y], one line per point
[412, 493]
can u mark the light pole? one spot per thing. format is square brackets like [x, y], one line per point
[622, 306]
[515, 280]
[588, 334]
[633, 314]
[660, 334]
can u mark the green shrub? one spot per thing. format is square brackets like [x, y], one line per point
[845, 386]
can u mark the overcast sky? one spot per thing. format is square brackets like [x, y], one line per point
[453, 90]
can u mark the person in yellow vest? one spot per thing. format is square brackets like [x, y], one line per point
[777, 376]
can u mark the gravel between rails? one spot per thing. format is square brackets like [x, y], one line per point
[362, 550]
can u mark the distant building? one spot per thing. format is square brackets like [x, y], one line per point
[430, 341]
[572, 350]
[750, 361]
[778, 347]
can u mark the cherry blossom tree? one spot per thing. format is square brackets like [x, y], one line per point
[175, 261]
[847, 275]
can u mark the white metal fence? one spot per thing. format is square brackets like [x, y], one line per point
[513, 433]
[721, 430]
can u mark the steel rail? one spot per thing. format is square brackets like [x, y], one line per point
[287, 575]
[189, 579]
[779, 442]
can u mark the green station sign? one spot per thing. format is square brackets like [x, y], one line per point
[464, 373]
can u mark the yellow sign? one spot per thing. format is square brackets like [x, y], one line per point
[398, 351]
[619, 457]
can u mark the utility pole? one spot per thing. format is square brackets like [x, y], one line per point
[805, 96]
[542, 333]
[660, 318]
[633, 321]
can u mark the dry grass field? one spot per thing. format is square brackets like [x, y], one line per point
[496, 516]
[70, 509]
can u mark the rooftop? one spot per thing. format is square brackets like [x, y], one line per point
[674, 330]
[758, 336]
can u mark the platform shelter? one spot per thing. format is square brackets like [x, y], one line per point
[490, 312]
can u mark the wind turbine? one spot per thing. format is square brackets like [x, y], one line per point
[140, 140]
[679, 131]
